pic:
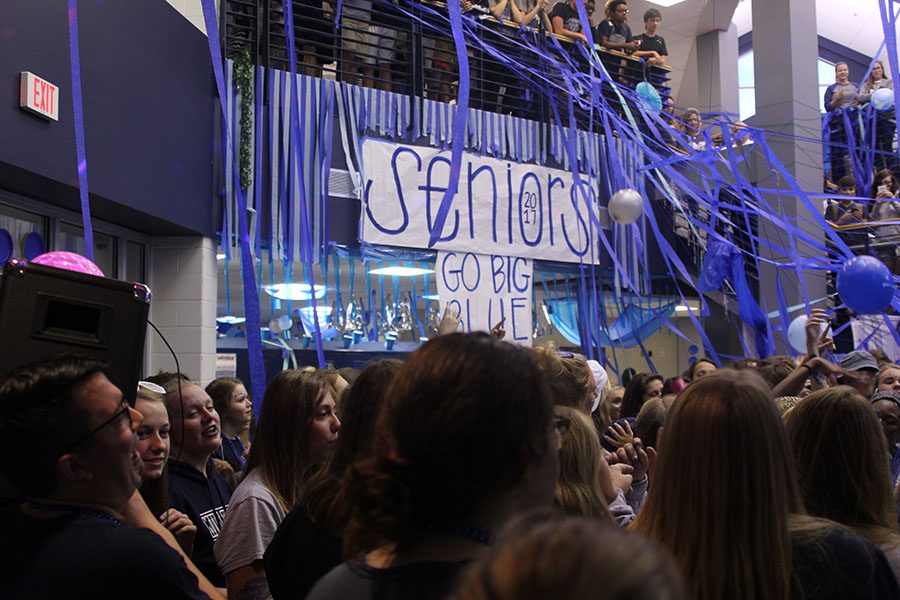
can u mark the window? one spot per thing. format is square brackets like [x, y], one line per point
[747, 84]
[826, 78]
[20, 224]
[71, 239]
[134, 261]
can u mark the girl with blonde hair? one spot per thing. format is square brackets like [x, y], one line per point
[583, 472]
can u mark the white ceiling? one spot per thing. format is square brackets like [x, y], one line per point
[855, 24]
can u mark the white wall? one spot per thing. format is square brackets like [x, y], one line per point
[192, 11]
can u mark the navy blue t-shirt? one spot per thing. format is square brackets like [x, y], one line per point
[80, 555]
[204, 500]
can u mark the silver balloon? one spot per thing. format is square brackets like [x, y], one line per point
[626, 206]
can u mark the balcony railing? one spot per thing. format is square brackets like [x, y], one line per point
[407, 47]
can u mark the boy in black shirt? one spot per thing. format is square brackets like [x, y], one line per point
[652, 46]
[613, 33]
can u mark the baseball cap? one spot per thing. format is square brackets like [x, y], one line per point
[859, 360]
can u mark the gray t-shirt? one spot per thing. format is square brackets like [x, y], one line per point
[250, 523]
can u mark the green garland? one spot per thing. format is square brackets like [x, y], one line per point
[243, 81]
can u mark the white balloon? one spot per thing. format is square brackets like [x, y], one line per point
[285, 322]
[626, 206]
[796, 333]
[883, 99]
[275, 326]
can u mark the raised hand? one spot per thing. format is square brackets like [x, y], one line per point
[618, 435]
[449, 320]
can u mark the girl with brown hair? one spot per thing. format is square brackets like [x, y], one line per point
[840, 454]
[308, 542]
[297, 429]
[235, 409]
[465, 440]
[725, 503]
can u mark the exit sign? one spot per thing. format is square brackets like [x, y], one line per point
[38, 96]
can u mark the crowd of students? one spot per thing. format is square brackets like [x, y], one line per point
[370, 37]
[475, 469]
[869, 223]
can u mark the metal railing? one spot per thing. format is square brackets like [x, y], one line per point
[407, 47]
[858, 141]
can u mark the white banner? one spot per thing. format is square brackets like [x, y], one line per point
[501, 207]
[485, 290]
[872, 330]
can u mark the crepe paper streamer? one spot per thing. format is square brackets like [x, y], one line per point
[251, 294]
[78, 125]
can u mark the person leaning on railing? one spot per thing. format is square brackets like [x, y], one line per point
[846, 212]
[886, 207]
[840, 95]
[565, 20]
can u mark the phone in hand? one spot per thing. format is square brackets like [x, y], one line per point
[883, 189]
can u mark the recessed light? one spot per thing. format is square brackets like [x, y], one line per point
[293, 291]
[231, 320]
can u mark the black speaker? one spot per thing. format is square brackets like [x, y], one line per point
[46, 311]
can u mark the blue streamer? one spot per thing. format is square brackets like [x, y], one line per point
[78, 124]
[459, 124]
[298, 154]
[251, 294]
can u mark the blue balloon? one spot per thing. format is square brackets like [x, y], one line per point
[865, 285]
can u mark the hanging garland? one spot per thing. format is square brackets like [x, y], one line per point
[243, 78]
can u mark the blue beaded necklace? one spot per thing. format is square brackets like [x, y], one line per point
[473, 533]
[74, 510]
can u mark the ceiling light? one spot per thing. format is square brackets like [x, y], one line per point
[293, 291]
[665, 2]
[230, 320]
[401, 271]
[434, 297]
[220, 256]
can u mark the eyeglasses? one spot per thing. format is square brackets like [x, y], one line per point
[126, 410]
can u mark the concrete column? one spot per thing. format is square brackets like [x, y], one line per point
[183, 279]
[717, 54]
[785, 53]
